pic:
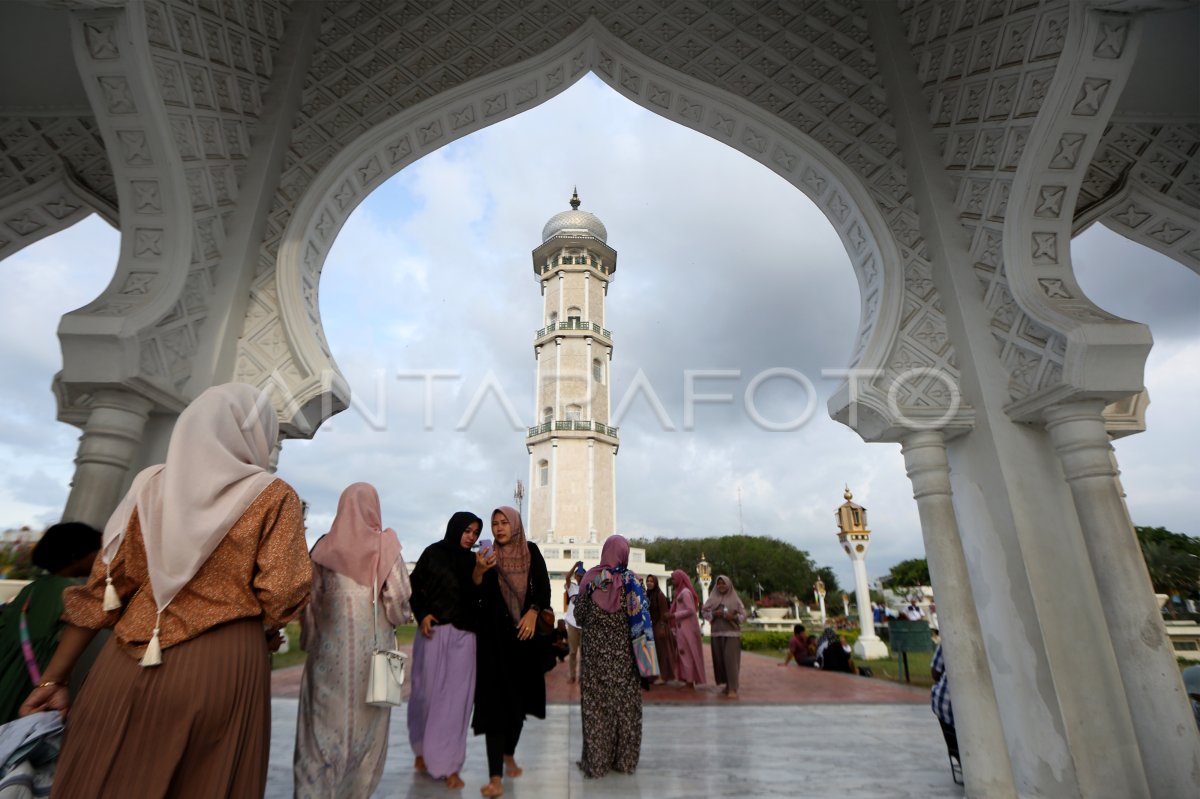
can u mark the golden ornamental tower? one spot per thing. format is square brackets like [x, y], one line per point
[855, 538]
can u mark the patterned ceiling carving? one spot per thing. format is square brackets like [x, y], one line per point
[985, 65]
[985, 68]
[213, 63]
[807, 64]
[1144, 183]
[38, 152]
[203, 66]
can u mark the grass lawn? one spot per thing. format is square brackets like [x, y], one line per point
[889, 668]
[885, 669]
[295, 656]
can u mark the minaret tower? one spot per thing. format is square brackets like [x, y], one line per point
[572, 450]
[855, 538]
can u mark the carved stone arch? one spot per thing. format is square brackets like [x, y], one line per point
[101, 342]
[52, 204]
[1151, 218]
[314, 389]
[1091, 353]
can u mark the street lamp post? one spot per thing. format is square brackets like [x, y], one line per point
[820, 589]
[704, 573]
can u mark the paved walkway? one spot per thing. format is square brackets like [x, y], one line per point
[794, 733]
[764, 682]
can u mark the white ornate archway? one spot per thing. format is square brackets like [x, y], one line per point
[310, 386]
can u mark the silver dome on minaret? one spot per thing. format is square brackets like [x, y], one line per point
[575, 224]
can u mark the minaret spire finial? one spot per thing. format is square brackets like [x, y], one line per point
[574, 198]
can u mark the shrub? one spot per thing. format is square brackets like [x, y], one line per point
[764, 640]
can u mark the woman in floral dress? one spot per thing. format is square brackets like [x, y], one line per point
[611, 611]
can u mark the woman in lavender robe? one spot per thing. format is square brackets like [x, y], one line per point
[684, 615]
[445, 602]
[341, 741]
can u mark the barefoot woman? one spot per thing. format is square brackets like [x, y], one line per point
[511, 682]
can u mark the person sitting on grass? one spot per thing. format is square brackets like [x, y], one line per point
[798, 648]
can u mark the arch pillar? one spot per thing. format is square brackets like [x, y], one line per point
[1162, 716]
[986, 769]
[111, 438]
[1047, 646]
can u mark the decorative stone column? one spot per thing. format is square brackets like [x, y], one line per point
[984, 751]
[1165, 728]
[109, 443]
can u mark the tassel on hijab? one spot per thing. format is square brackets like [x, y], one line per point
[111, 600]
[153, 656]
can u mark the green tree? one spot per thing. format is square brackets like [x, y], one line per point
[908, 574]
[1173, 560]
[756, 564]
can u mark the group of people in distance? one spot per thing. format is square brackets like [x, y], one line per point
[203, 563]
[830, 652]
[196, 573]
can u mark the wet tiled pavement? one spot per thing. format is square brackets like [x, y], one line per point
[793, 733]
[763, 682]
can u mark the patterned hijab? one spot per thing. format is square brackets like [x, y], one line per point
[512, 563]
[357, 545]
[601, 584]
[729, 599]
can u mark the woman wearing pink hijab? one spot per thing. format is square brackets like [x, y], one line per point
[341, 741]
[202, 555]
[684, 608]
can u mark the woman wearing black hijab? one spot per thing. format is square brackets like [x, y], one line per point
[445, 603]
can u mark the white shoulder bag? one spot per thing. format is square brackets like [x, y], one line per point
[385, 681]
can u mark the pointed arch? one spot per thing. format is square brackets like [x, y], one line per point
[315, 389]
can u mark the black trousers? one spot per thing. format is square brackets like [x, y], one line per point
[500, 744]
[951, 737]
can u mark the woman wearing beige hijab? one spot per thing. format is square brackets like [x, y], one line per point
[204, 554]
[360, 593]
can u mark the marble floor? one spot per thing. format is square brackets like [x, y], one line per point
[881, 751]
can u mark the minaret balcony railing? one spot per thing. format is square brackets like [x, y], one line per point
[573, 324]
[573, 425]
[575, 260]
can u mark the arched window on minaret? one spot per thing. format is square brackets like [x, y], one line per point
[597, 370]
[543, 473]
[553, 317]
[547, 415]
[574, 315]
[573, 413]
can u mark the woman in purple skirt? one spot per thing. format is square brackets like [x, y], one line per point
[445, 603]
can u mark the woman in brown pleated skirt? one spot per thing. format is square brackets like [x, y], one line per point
[200, 724]
[200, 565]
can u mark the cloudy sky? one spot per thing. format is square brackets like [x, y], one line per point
[722, 266]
